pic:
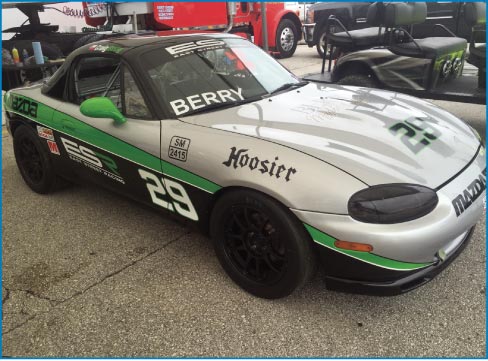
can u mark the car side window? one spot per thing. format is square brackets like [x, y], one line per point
[98, 77]
[135, 106]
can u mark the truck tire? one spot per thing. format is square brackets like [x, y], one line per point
[52, 51]
[286, 38]
[87, 39]
[322, 43]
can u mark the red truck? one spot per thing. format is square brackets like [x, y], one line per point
[283, 26]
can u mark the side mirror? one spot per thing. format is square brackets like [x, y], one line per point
[101, 107]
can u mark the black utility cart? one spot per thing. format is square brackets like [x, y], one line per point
[386, 55]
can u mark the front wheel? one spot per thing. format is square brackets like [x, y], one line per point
[286, 38]
[261, 245]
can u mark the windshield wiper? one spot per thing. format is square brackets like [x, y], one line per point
[287, 86]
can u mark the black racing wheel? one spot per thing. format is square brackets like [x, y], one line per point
[261, 245]
[33, 161]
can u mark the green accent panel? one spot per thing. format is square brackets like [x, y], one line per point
[328, 241]
[76, 128]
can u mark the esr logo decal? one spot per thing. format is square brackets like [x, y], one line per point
[93, 160]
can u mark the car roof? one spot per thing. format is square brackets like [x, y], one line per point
[127, 44]
[130, 46]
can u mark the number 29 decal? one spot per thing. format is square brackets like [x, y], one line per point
[160, 188]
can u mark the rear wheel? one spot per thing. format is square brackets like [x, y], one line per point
[261, 245]
[286, 38]
[33, 161]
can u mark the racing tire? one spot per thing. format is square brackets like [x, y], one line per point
[52, 51]
[286, 38]
[359, 80]
[261, 245]
[33, 161]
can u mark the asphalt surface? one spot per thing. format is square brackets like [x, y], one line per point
[89, 273]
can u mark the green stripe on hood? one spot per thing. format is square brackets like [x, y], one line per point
[328, 241]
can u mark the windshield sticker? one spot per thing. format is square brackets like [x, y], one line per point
[178, 148]
[472, 192]
[106, 48]
[417, 134]
[198, 101]
[240, 159]
[189, 48]
[45, 133]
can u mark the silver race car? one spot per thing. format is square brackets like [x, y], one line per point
[381, 189]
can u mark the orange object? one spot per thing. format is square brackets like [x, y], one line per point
[353, 246]
[15, 55]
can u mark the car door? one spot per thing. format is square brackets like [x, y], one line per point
[115, 155]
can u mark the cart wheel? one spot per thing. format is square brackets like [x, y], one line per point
[359, 80]
[261, 245]
[286, 38]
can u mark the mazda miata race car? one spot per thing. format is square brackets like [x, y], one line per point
[381, 189]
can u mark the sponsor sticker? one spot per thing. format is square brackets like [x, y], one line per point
[189, 48]
[106, 48]
[97, 162]
[53, 147]
[178, 148]
[465, 199]
[241, 159]
[45, 133]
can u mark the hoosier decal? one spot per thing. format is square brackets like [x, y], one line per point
[240, 158]
[464, 200]
[53, 147]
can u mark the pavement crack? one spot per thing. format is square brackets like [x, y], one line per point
[7, 296]
[56, 303]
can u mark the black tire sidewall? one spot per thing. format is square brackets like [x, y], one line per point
[301, 261]
[320, 49]
[359, 80]
[49, 178]
[284, 23]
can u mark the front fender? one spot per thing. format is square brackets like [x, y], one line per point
[228, 159]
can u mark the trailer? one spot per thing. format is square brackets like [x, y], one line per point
[280, 33]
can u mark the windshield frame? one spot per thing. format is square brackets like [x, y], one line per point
[164, 109]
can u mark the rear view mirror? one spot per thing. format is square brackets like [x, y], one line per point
[101, 107]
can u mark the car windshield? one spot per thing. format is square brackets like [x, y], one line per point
[204, 75]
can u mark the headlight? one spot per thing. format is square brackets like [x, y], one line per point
[309, 16]
[392, 203]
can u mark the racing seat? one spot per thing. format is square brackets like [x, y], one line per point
[475, 17]
[402, 43]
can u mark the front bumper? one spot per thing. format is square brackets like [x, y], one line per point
[399, 283]
[307, 30]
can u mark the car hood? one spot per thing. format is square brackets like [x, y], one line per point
[377, 136]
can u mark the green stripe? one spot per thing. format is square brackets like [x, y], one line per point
[51, 118]
[328, 241]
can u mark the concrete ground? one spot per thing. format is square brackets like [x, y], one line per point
[89, 273]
